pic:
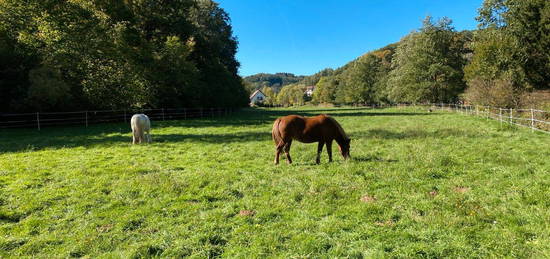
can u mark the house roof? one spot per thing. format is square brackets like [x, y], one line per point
[255, 93]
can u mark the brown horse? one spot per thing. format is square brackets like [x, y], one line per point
[321, 128]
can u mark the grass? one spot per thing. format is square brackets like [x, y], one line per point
[420, 184]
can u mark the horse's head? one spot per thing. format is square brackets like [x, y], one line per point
[344, 148]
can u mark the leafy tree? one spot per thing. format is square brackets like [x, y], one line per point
[525, 24]
[118, 54]
[325, 90]
[428, 64]
[358, 84]
[291, 95]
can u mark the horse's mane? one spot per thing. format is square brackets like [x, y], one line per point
[340, 129]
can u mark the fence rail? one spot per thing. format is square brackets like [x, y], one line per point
[536, 120]
[40, 120]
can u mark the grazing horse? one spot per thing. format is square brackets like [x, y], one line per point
[321, 128]
[141, 126]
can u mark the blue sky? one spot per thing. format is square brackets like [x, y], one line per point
[303, 37]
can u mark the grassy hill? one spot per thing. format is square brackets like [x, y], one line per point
[418, 185]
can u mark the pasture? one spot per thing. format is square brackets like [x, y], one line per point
[419, 184]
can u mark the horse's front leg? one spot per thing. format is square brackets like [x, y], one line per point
[319, 150]
[329, 150]
[287, 152]
[148, 136]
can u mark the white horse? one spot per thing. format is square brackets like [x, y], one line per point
[141, 125]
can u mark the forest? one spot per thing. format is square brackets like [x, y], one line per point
[504, 63]
[80, 54]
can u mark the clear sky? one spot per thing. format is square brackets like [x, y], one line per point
[305, 36]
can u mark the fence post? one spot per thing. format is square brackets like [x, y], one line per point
[162, 113]
[511, 116]
[500, 115]
[38, 120]
[212, 112]
[201, 111]
[184, 114]
[532, 120]
[125, 116]
[86, 118]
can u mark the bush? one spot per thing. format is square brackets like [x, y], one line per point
[47, 90]
[498, 93]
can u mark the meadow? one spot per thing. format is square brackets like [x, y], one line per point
[419, 185]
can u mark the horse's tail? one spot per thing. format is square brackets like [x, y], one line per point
[275, 133]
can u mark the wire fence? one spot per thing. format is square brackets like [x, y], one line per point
[40, 120]
[536, 120]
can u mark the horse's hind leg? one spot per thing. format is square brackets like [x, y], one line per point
[134, 137]
[319, 150]
[287, 152]
[142, 138]
[278, 150]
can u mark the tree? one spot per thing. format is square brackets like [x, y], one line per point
[358, 82]
[526, 26]
[291, 95]
[270, 96]
[117, 54]
[428, 64]
[325, 90]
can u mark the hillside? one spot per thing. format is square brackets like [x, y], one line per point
[275, 81]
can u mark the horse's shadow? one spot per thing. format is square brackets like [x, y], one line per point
[372, 158]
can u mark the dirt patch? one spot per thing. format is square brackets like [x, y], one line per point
[247, 213]
[368, 199]
[387, 223]
[104, 228]
[433, 193]
[462, 189]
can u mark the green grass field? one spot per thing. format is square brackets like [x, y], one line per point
[419, 184]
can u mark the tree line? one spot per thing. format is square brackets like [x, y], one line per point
[506, 58]
[80, 54]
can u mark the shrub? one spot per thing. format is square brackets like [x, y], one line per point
[497, 92]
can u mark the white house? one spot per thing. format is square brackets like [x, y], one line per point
[257, 97]
[309, 90]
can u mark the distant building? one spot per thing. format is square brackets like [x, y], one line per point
[257, 97]
[309, 90]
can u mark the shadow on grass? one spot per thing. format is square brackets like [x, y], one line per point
[16, 140]
[92, 140]
[441, 133]
[372, 158]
